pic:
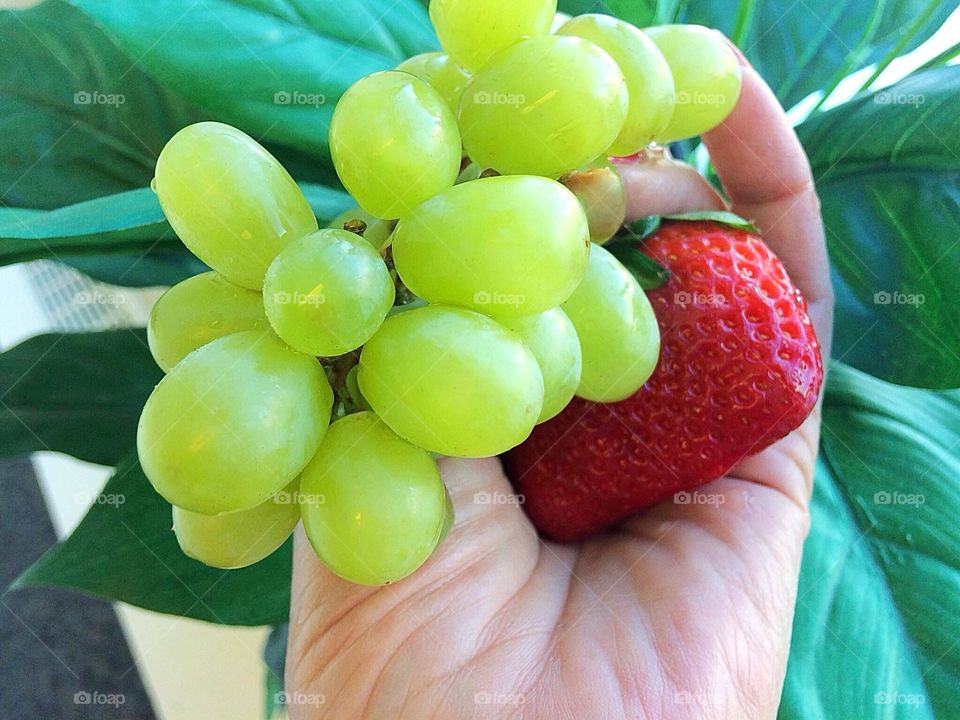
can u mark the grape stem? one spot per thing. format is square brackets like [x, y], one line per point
[337, 370]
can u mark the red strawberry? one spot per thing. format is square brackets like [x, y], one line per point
[739, 369]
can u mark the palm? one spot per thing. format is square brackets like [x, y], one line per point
[684, 611]
[677, 608]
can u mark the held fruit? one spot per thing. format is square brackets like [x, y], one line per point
[394, 143]
[552, 339]
[233, 423]
[617, 330]
[198, 310]
[229, 200]
[543, 107]
[706, 77]
[327, 293]
[452, 381]
[505, 246]
[648, 77]
[238, 539]
[441, 73]
[473, 32]
[374, 506]
[740, 369]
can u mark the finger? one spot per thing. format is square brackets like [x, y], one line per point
[488, 522]
[660, 186]
[766, 175]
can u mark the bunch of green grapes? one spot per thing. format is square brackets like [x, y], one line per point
[319, 373]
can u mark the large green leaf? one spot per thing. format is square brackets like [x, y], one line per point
[799, 47]
[154, 267]
[273, 67]
[878, 611]
[124, 549]
[887, 167]
[79, 394]
[130, 224]
[78, 119]
[122, 223]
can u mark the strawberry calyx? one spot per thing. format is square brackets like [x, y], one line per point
[724, 217]
[625, 245]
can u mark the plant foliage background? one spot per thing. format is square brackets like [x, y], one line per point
[878, 617]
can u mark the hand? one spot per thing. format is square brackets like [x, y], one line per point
[683, 611]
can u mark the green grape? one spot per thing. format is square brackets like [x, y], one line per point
[449, 516]
[559, 20]
[706, 76]
[327, 293]
[197, 310]
[601, 193]
[543, 107]
[473, 32]
[233, 423]
[229, 200]
[394, 143]
[441, 72]
[452, 381]
[552, 339]
[649, 82]
[618, 331]
[380, 502]
[508, 246]
[238, 539]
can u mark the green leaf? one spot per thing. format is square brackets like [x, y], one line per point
[130, 224]
[154, 267]
[887, 167]
[272, 67]
[274, 660]
[124, 549]
[126, 222]
[645, 12]
[79, 394]
[719, 216]
[798, 46]
[581, 7]
[648, 272]
[78, 119]
[867, 643]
